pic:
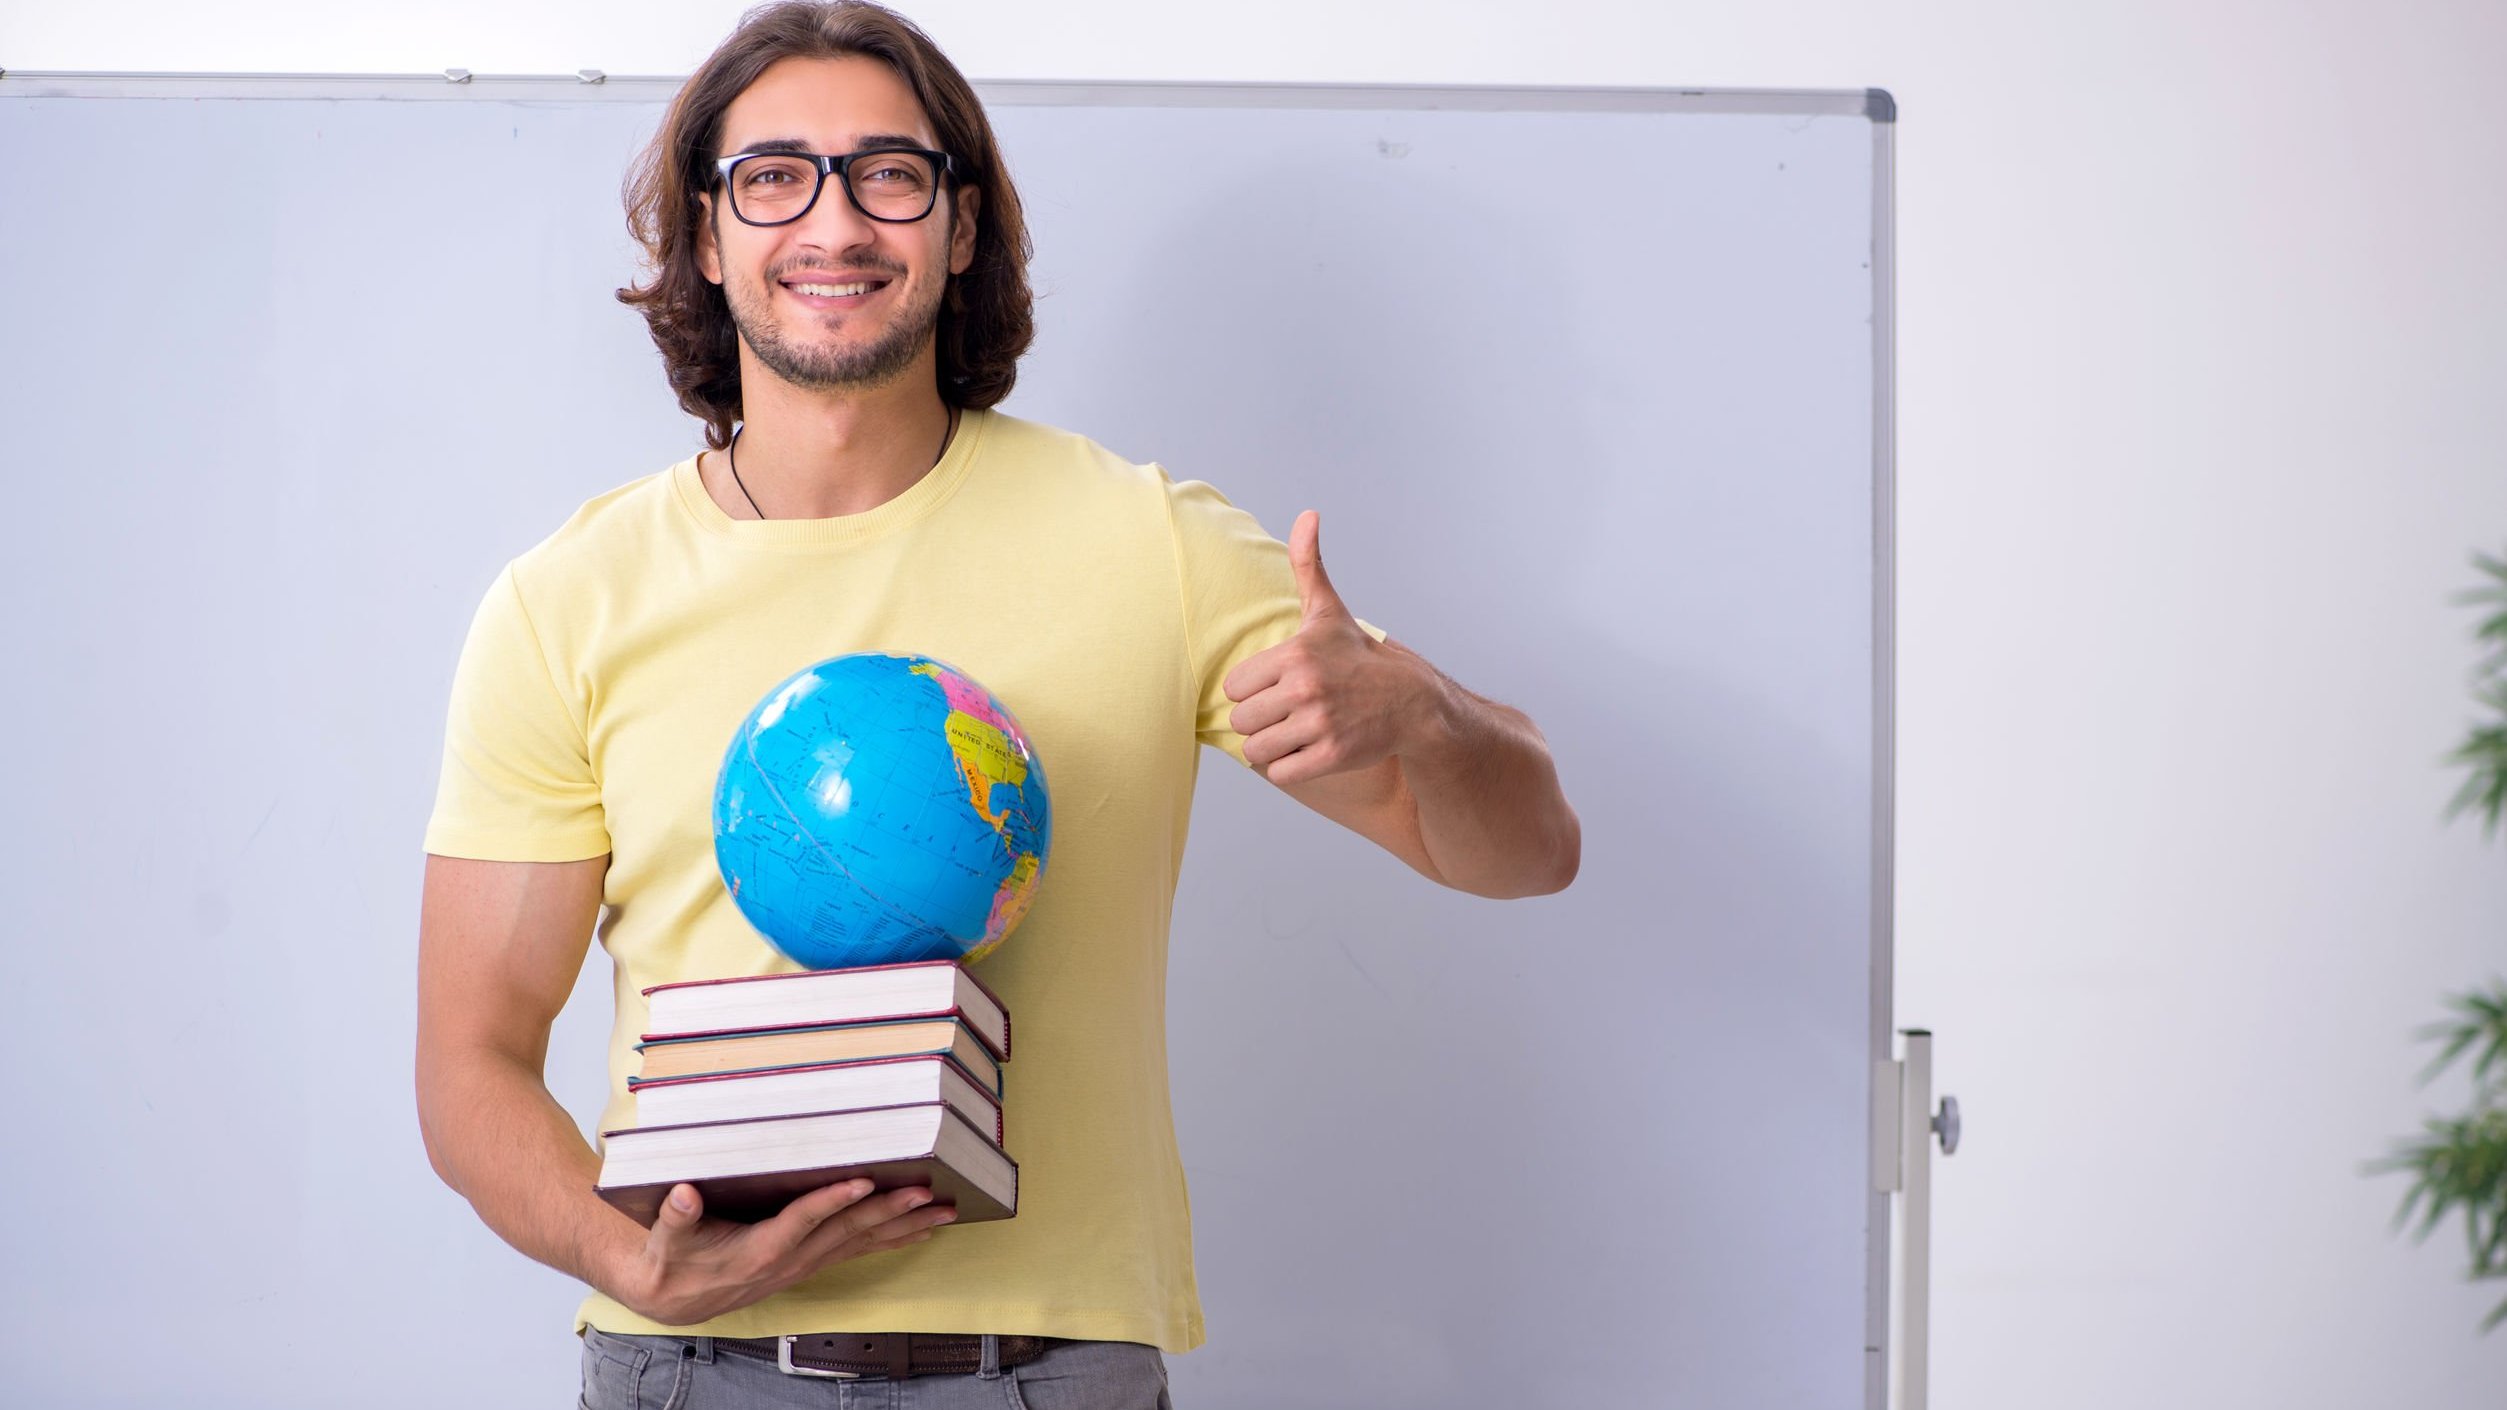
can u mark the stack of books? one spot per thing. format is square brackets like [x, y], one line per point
[759, 1089]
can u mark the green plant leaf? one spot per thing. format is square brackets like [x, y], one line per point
[2459, 1164]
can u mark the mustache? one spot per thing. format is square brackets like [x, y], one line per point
[868, 266]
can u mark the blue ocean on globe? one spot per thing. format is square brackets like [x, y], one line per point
[877, 808]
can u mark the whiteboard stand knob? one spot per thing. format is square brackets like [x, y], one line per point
[1914, 1186]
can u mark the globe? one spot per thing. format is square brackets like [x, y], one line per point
[877, 808]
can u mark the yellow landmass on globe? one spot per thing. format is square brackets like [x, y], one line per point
[985, 758]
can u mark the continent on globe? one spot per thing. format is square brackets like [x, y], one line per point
[876, 808]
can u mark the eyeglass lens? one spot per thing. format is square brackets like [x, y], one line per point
[886, 185]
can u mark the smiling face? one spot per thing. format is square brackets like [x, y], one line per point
[888, 277]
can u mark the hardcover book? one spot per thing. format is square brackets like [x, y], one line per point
[749, 1169]
[811, 998]
[760, 1049]
[827, 1086]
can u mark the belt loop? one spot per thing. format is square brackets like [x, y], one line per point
[704, 1351]
[900, 1355]
[991, 1369]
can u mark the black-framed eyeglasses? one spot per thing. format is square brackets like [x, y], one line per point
[898, 185]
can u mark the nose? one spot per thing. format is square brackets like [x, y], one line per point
[834, 216]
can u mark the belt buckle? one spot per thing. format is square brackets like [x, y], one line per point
[783, 1362]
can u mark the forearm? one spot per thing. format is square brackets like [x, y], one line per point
[1491, 813]
[501, 1141]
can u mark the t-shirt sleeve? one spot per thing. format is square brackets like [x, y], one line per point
[1240, 598]
[517, 783]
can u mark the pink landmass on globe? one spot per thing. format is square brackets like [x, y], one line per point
[974, 700]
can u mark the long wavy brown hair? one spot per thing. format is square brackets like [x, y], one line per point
[987, 318]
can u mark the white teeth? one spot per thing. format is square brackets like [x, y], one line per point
[832, 291]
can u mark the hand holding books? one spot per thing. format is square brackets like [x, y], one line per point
[694, 1267]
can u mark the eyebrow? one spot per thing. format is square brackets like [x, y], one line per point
[870, 142]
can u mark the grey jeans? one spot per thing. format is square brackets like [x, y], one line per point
[685, 1373]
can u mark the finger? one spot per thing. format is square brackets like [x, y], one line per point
[1262, 747]
[1305, 555]
[800, 1220]
[907, 1226]
[1261, 712]
[1258, 672]
[1279, 741]
[1300, 765]
[918, 1229]
[857, 1221]
[901, 1233]
[911, 1227]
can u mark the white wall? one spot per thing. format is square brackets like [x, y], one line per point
[2203, 331]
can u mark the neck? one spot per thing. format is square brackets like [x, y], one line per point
[817, 455]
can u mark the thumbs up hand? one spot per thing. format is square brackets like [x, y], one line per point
[1330, 699]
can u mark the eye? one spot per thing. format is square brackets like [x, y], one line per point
[776, 171]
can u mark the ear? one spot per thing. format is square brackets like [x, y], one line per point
[708, 259]
[969, 205]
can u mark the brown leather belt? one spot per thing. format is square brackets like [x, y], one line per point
[894, 1355]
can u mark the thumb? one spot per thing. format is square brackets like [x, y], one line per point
[680, 1212]
[1305, 556]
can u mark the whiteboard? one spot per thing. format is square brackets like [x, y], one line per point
[1625, 466]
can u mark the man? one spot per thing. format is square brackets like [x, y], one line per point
[839, 262]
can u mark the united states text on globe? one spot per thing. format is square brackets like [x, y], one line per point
[877, 808]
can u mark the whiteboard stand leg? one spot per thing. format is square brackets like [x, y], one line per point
[1912, 1138]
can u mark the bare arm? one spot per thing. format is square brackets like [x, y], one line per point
[1485, 795]
[499, 945]
[1473, 803]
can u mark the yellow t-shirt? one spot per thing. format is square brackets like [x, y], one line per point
[1104, 603]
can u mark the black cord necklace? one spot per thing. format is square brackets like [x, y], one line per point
[733, 455]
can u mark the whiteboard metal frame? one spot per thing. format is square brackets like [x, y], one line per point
[1883, 112]
[592, 85]
[595, 86]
